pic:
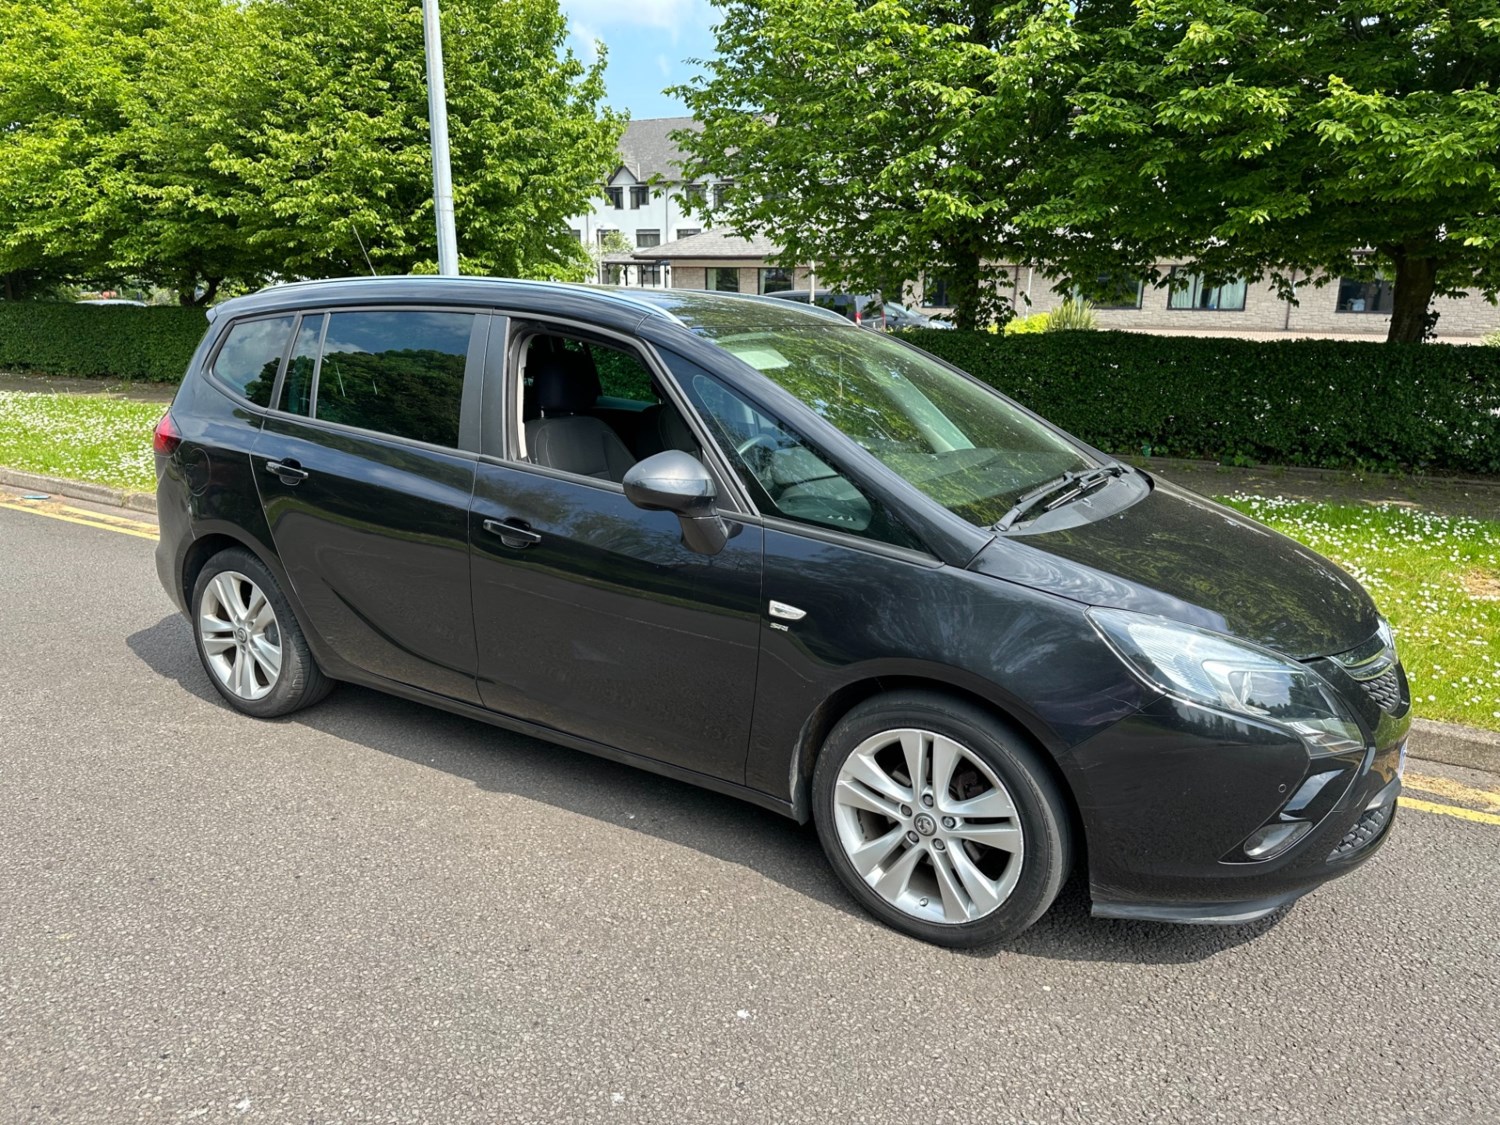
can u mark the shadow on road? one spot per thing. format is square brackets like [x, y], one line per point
[729, 830]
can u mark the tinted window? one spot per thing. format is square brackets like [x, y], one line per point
[251, 356]
[399, 373]
[296, 392]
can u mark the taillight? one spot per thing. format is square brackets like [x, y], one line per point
[166, 437]
[857, 318]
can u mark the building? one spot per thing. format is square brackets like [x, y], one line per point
[645, 199]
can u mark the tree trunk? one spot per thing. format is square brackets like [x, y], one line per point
[1416, 278]
[963, 275]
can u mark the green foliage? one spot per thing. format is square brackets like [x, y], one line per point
[197, 142]
[883, 139]
[115, 341]
[1318, 403]
[1284, 137]
[88, 437]
[1073, 315]
[1027, 325]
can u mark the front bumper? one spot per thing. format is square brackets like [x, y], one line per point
[1170, 795]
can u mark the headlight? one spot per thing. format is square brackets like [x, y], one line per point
[1231, 675]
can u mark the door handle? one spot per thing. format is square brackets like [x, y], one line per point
[513, 533]
[289, 471]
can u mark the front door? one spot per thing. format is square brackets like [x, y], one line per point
[592, 617]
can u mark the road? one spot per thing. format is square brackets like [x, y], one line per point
[376, 912]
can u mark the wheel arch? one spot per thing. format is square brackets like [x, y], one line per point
[826, 716]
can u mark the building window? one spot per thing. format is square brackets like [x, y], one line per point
[774, 279]
[724, 279]
[721, 190]
[688, 232]
[1110, 291]
[1196, 295]
[578, 234]
[616, 197]
[935, 292]
[640, 195]
[1357, 296]
[650, 274]
[693, 193]
[645, 238]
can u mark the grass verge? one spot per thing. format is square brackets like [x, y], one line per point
[1437, 579]
[81, 437]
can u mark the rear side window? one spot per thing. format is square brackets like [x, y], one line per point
[251, 356]
[297, 388]
[395, 372]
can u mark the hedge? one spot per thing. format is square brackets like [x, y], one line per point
[1317, 403]
[114, 341]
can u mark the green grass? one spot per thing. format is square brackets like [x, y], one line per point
[81, 437]
[1437, 578]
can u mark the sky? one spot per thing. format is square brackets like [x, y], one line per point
[649, 42]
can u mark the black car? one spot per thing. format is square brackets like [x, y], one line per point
[743, 544]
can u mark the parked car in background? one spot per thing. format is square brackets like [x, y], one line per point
[110, 301]
[743, 544]
[865, 309]
[899, 316]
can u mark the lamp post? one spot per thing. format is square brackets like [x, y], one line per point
[437, 122]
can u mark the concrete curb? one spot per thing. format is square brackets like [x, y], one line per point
[1454, 745]
[80, 490]
[1429, 741]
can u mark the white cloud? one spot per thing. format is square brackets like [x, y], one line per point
[666, 67]
[668, 15]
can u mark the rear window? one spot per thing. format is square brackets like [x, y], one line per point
[251, 355]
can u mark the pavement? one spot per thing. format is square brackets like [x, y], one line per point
[372, 911]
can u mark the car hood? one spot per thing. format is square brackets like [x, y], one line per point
[1178, 555]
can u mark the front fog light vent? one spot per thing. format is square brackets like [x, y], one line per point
[1274, 839]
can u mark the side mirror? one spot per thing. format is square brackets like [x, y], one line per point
[675, 481]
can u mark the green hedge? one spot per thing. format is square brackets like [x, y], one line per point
[1317, 403]
[114, 341]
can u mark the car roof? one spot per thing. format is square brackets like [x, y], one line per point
[692, 309]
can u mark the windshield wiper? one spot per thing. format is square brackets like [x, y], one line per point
[1066, 488]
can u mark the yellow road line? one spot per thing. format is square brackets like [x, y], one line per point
[1486, 799]
[140, 530]
[1449, 810]
[107, 517]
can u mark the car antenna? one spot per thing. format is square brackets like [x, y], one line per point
[362, 249]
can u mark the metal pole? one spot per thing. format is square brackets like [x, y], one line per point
[437, 120]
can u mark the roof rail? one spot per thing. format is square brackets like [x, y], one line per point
[603, 292]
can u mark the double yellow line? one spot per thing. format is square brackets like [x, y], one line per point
[57, 510]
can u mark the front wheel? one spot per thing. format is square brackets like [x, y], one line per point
[940, 820]
[249, 640]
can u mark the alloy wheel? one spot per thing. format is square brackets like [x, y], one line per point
[928, 826]
[240, 635]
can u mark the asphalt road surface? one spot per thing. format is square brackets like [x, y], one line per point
[376, 912]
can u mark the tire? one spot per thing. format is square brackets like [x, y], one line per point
[249, 640]
[978, 861]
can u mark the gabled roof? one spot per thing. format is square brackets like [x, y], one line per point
[711, 244]
[646, 149]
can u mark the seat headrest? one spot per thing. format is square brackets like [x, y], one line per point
[566, 382]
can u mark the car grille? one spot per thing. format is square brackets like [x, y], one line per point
[1365, 829]
[1385, 690]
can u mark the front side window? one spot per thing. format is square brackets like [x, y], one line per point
[775, 280]
[960, 443]
[251, 356]
[786, 474]
[1356, 296]
[395, 372]
[1194, 293]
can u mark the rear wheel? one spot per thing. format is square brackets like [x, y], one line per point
[249, 640]
[941, 820]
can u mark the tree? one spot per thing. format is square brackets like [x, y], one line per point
[882, 139]
[1312, 137]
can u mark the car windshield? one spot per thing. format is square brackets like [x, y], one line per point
[961, 444]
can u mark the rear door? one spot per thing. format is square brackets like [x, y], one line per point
[365, 475]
